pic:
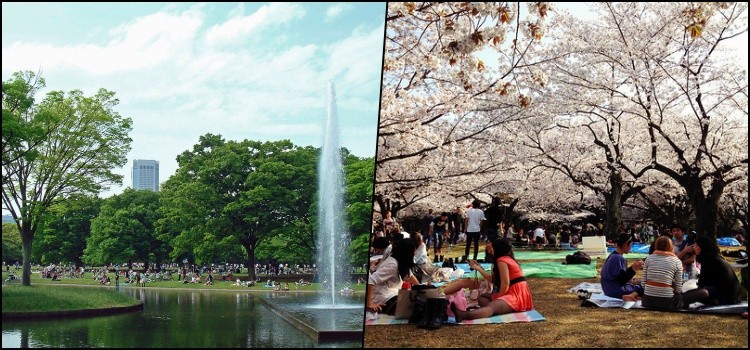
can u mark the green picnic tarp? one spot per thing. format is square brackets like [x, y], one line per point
[551, 269]
[548, 269]
[542, 255]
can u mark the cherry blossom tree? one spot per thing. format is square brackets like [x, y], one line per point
[674, 85]
[442, 106]
[637, 106]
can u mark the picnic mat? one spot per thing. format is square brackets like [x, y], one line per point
[549, 269]
[528, 316]
[541, 255]
[552, 269]
[604, 301]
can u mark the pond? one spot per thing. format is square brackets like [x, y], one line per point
[182, 319]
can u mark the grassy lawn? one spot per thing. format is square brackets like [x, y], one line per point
[218, 284]
[60, 298]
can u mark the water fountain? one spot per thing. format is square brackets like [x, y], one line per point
[330, 315]
[333, 238]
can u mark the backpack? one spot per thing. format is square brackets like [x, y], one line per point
[578, 258]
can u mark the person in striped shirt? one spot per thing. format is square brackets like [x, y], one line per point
[662, 273]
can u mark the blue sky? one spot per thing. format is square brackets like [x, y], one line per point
[242, 70]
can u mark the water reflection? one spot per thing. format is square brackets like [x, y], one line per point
[171, 318]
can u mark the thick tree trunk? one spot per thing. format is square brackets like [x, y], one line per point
[250, 248]
[26, 278]
[706, 212]
[613, 201]
[27, 237]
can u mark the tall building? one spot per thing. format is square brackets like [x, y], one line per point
[145, 175]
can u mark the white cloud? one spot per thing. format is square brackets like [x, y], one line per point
[240, 27]
[146, 42]
[178, 78]
[356, 61]
[336, 10]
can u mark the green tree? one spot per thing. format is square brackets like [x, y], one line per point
[18, 102]
[12, 250]
[228, 192]
[124, 232]
[65, 229]
[359, 174]
[282, 192]
[77, 142]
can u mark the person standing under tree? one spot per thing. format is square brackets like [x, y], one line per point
[457, 225]
[426, 229]
[494, 216]
[437, 231]
[473, 223]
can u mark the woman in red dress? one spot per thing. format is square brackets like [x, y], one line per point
[510, 292]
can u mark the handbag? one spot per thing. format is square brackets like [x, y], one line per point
[408, 298]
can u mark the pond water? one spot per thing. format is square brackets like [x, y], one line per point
[187, 319]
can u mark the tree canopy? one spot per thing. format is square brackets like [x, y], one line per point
[66, 144]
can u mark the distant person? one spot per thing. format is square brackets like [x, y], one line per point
[617, 276]
[388, 222]
[473, 223]
[426, 227]
[683, 249]
[437, 233]
[540, 238]
[494, 214]
[457, 225]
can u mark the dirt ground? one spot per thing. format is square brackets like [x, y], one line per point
[570, 325]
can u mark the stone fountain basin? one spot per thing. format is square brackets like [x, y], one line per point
[323, 322]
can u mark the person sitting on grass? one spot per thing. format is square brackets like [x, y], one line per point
[662, 274]
[617, 276]
[383, 284]
[717, 277]
[510, 291]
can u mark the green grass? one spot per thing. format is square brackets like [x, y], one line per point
[17, 298]
[218, 284]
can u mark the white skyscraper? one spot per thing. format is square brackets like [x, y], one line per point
[145, 175]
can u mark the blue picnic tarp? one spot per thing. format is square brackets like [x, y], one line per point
[637, 248]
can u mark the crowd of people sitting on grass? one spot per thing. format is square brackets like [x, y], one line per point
[56, 272]
[674, 258]
[400, 259]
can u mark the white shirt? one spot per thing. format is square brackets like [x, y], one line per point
[474, 216]
[538, 232]
[385, 281]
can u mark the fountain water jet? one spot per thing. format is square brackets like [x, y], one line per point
[333, 238]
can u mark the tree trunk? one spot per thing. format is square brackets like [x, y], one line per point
[78, 262]
[250, 248]
[27, 237]
[26, 278]
[613, 201]
[706, 208]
